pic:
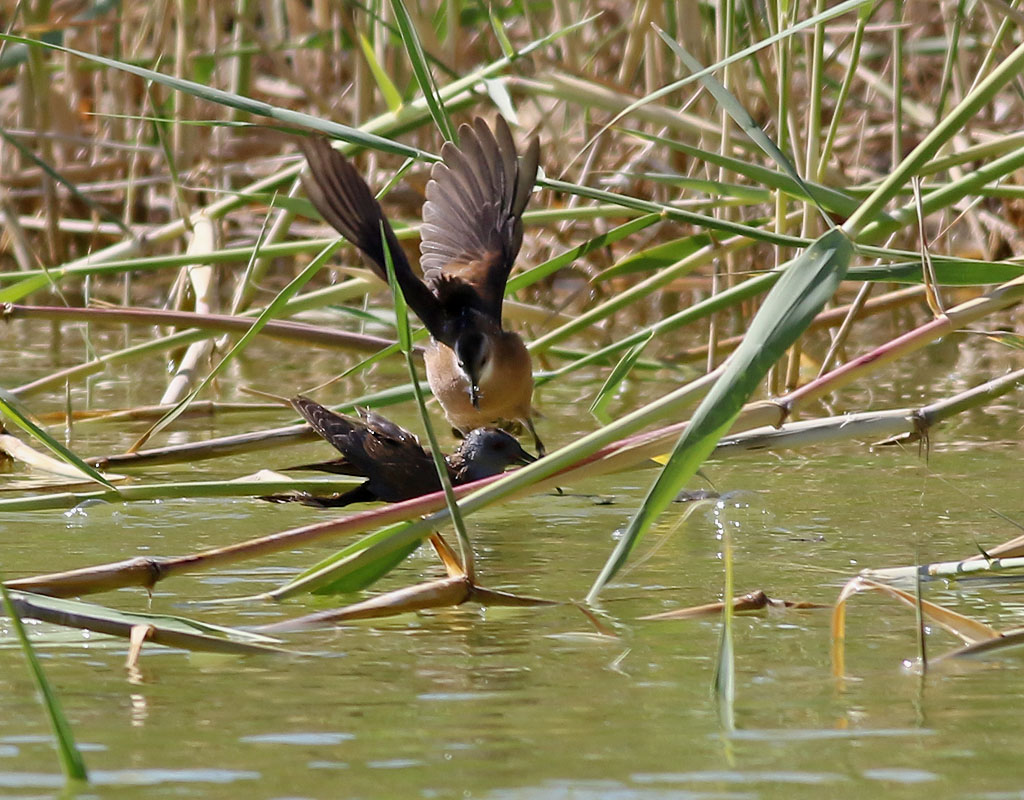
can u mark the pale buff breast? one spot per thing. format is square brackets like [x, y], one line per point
[505, 392]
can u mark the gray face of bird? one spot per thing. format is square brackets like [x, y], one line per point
[488, 451]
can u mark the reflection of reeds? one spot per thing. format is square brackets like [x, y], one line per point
[676, 199]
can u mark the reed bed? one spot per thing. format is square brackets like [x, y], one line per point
[760, 205]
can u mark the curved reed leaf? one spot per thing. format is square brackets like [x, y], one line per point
[677, 214]
[178, 490]
[26, 286]
[358, 565]
[552, 265]
[71, 760]
[659, 256]
[387, 88]
[362, 578]
[806, 284]
[615, 379]
[724, 684]
[948, 272]
[85, 199]
[166, 629]
[830, 199]
[231, 100]
[405, 342]
[10, 407]
[421, 69]
[272, 310]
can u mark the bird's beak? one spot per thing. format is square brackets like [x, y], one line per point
[526, 458]
[474, 395]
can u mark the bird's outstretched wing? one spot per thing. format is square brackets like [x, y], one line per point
[345, 201]
[472, 220]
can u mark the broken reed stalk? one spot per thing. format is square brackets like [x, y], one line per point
[222, 323]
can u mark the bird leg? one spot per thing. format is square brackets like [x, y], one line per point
[537, 443]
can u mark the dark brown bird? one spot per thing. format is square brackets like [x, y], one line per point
[395, 465]
[471, 234]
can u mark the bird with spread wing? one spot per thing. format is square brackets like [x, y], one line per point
[472, 231]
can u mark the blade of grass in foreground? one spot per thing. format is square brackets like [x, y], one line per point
[71, 760]
[421, 69]
[247, 104]
[163, 629]
[12, 408]
[615, 378]
[807, 283]
[387, 88]
[85, 199]
[829, 198]
[725, 668]
[405, 342]
[251, 486]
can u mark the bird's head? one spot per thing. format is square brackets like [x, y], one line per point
[473, 350]
[489, 451]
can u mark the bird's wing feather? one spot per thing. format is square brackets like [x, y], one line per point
[348, 436]
[345, 201]
[385, 428]
[391, 459]
[472, 220]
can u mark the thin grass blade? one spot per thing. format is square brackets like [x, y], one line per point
[660, 256]
[165, 629]
[734, 108]
[71, 760]
[272, 310]
[14, 411]
[830, 199]
[725, 667]
[231, 100]
[405, 341]
[552, 265]
[85, 199]
[390, 92]
[421, 69]
[615, 378]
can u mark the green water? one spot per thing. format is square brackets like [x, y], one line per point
[512, 703]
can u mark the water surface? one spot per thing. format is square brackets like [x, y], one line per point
[537, 704]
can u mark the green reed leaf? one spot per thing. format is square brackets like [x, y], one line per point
[13, 410]
[71, 760]
[421, 69]
[802, 290]
[387, 88]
